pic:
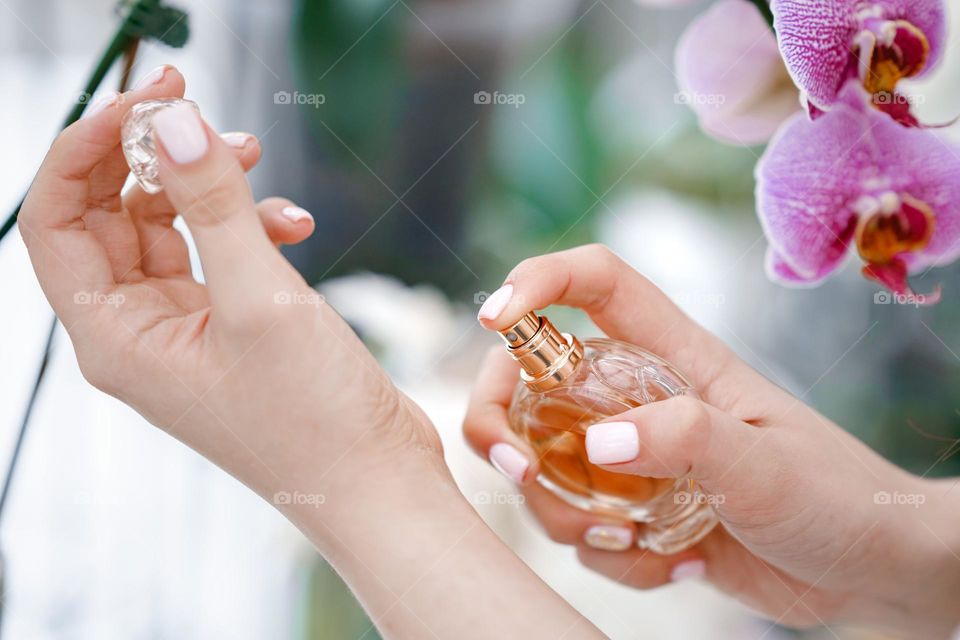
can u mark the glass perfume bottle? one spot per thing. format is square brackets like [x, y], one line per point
[136, 138]
[566, 386]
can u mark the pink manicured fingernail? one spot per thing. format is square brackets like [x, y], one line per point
[237, 139]
[609, 537]
[612, 442]
[153, 77]
[295, 214]
[508, 461]
[688, 570]
[101, 103]
[182, 133]
[495, 303]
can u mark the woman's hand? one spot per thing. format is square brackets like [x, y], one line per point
[253, 371]
[806, 535]
[251, 368]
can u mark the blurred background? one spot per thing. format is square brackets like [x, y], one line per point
[437, 143]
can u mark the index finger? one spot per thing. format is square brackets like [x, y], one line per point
[68, 258]
[623, 304]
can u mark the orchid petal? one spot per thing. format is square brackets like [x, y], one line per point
[732, 76]
[817, 39]
[819, 178]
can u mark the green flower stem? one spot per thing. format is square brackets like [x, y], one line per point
[121, 41]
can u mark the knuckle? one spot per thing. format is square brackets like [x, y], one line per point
[222, 199]
[602, 254]
[690, 418]
[527, 266]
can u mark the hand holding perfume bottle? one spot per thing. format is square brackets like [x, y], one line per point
[253, 371]
[800, 522]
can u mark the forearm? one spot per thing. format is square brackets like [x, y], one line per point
[424, 564]
[923, 599]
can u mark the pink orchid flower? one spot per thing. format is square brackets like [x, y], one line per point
[879, 42]
[856, 178]
[732, 76]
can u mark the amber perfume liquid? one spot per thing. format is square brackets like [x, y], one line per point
[607, 378]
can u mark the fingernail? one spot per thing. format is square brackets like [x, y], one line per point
[612, 442]
[181, 132]
[688, 570]
[295, 214]
[101, 103]
[495, 303]
[609, 537]
[508, 461]
[237, 139]
[153, 77]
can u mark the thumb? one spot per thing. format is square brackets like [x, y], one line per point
[680, 438]
[206, 185]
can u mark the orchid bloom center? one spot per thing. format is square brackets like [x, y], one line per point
[890, 225]
[888, 51]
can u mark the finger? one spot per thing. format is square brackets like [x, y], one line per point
[486, 426]
[565, 524]
[163, 251]
[109, 176]
[207, 186]
[623, 303]
[643, 569]
[105, 216]
[685, 438]
[66, 250]
[285, 222]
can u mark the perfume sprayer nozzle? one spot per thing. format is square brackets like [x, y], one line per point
[547, 357]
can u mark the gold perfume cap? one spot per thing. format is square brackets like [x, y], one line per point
[546, 356]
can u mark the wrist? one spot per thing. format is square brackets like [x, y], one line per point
[924, 555]
[385, 469]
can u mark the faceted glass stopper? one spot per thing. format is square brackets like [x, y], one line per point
[136, 135]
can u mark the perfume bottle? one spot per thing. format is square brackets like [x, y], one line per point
[567, 385]
[136, 138]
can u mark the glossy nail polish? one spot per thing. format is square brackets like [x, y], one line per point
[137, 140]
[565, 387]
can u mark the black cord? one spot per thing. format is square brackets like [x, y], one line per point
[8, 477]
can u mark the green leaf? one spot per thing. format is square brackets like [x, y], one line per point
[150, 19]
